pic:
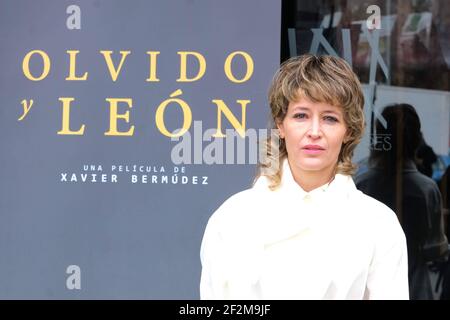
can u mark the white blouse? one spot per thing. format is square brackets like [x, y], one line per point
[333, 242]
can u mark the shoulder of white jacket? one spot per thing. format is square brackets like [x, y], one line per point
[372, 206]
[379, 215]
[238, 206]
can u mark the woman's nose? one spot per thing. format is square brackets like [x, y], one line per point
[315, 130]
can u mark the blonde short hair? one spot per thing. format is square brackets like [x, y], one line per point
[325, 79]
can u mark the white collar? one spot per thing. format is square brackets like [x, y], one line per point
[341, 185]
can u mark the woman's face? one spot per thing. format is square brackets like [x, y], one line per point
[314, 133]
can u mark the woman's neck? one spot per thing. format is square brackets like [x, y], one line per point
[310, 180]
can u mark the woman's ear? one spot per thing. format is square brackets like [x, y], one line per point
[280, 129]
[347, 137]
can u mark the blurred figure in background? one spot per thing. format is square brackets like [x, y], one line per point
[393, 178]
[444, 275]
[425, 158]
[445, 190]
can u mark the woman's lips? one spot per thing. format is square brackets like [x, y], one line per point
[313, 149]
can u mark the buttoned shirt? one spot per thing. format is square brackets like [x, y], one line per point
[333, 242]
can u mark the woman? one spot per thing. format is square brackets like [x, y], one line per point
[304, 231]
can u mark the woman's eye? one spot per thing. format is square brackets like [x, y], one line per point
[330, 119]
[300, 115]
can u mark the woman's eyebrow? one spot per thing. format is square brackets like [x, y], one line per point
[300, 108]
[304, 108]
[332, 111]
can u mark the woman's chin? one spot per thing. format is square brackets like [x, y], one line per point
[312, 165]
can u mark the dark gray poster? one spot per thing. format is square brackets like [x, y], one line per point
[118, 126]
